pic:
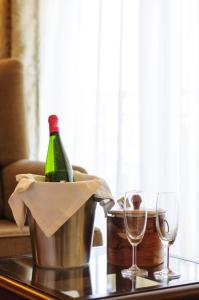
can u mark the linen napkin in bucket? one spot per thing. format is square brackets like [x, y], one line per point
[53, 203]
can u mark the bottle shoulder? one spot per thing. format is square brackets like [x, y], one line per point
[57, 166]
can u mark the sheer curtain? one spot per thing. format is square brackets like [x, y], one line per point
[123, 76]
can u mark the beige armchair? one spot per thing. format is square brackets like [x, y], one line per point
[14, 157]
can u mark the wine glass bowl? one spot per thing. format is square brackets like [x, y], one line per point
[167, 213]
[135, 226]
[135, 219]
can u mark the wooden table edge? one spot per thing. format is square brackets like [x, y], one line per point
[22, 290]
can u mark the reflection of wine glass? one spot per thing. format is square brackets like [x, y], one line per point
[135, 218]
[167, 227]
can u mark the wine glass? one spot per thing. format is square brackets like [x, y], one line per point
[135, 219]
[167, 213]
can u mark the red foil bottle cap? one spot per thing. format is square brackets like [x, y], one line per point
[53, 123]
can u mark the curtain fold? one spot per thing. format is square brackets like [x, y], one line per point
[19, 36]
[5, 28]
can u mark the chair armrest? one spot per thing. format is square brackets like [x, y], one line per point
[97, 237]
[9, 183]
[22, 167]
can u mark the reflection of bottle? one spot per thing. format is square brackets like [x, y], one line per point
[57, 166]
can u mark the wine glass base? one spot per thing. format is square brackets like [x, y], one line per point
[134, 271]
[166, 274]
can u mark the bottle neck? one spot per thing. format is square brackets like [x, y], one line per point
[54, 133]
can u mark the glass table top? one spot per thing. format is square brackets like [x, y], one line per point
[97, 280]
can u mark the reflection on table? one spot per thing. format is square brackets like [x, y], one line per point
[95, 280]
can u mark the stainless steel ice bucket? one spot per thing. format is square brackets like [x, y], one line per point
[70, 246]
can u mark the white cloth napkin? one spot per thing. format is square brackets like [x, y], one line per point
[53, 203]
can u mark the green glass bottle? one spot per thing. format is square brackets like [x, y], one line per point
[57, 166]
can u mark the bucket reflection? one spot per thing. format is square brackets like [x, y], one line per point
[75, 282]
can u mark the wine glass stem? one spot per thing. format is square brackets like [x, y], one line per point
[134, 258]
[167, 257]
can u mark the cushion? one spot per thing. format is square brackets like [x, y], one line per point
[11, 246]
[10, 229]
[12, 118]
[12, 240]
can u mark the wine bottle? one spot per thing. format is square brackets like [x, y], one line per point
[57, 166]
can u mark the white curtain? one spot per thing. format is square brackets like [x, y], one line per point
[123, 76]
